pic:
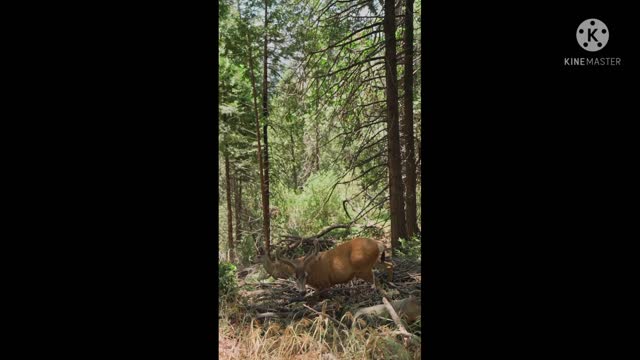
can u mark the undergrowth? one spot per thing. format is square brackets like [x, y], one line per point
[243, 337]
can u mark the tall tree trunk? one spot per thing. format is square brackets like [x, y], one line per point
[398, 228]
[263, 192]
[407, 125]
[229, 209]
[316, 146]
[238, 205]
[265, 113]
[294, 170]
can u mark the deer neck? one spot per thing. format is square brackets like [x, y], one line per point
[268, 264]
[316, 273]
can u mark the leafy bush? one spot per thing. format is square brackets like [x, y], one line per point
[305, 212]
[227, 285]
[245, 249]
[388, 347]
[410, 248]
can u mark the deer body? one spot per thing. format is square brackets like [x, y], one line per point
[355, 258]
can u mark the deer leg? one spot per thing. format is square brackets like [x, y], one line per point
[368, 277]
[376, 283]
[389, 270]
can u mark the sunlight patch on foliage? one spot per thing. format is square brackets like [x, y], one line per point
[315, 206]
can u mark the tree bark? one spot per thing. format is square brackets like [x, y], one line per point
[265, 113]
[238, 205]
[294, 168]
[316, 145]
[398, 228]
[407, 125]
[263, 193]
[229, 209]
[317, 148]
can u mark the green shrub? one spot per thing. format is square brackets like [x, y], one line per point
[410, 248]
[245, 249]
[227, 285]
[389, 348]
[306, 211]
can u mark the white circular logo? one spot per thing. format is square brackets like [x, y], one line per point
[592, 35]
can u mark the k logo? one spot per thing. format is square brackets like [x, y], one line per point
[592, 35]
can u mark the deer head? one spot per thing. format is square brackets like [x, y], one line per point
[276, 268]
[301, 267]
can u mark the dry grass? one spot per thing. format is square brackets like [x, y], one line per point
[311, 337]
[315, 329]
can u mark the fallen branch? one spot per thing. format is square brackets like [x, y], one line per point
[254, 293]
[298, 240]
[402, 289]
[326, 231]
[396, 319]
[272, 314]
[292, 238]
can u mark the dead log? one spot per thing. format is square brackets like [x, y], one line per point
[396, 319]
[408, 308]
[281, 314]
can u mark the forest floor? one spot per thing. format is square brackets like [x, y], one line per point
[263, 322]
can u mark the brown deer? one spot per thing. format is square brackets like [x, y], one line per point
[355, 258]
